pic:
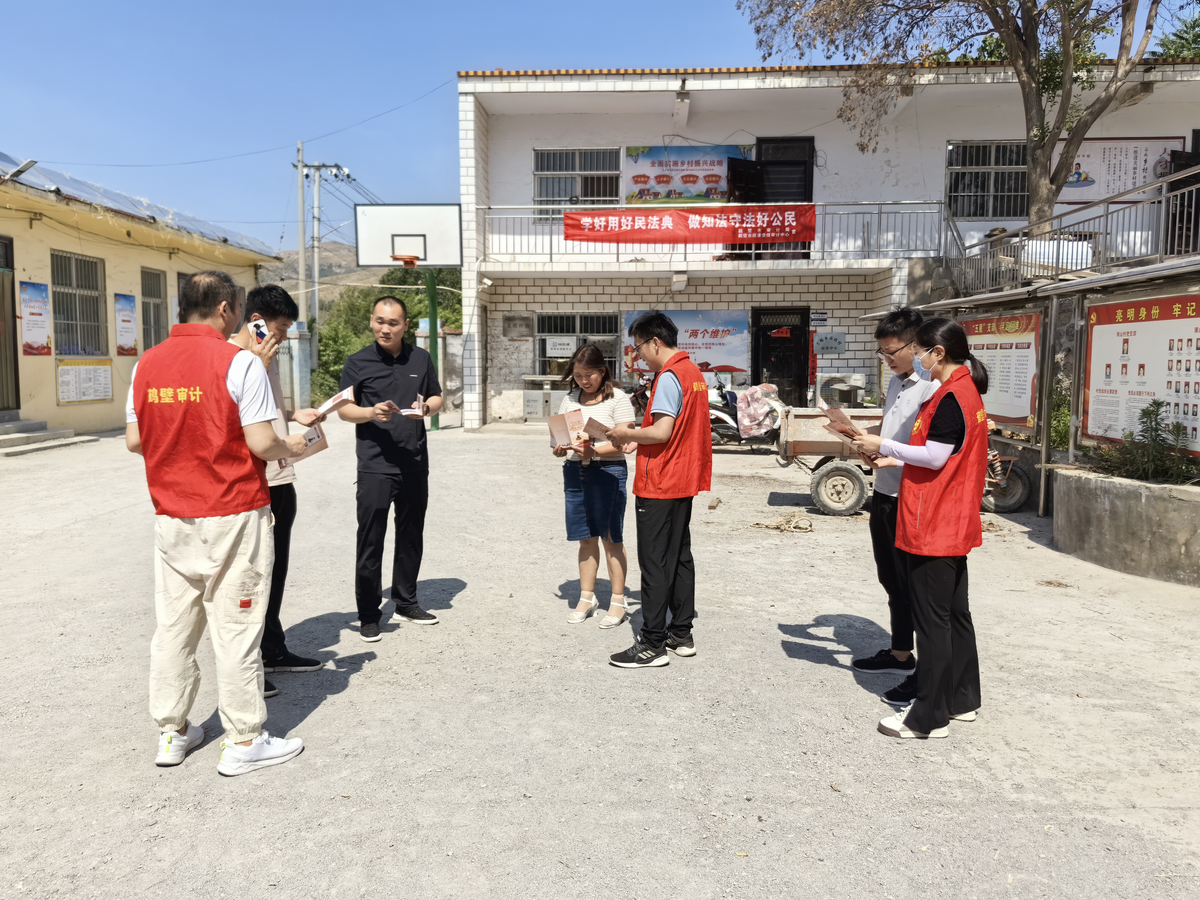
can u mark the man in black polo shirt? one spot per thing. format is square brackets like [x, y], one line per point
[393, 461]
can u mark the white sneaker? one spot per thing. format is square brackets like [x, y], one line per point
[265, 751]
[964, 717]
[893, 726]
[173, 747]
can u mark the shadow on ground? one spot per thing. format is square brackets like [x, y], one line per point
[857, 635]
[435, 593]
[783, 498]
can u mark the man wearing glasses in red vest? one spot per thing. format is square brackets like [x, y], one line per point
[200, 412]
[674, 463]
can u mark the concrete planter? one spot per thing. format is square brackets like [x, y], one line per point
[1144, 529]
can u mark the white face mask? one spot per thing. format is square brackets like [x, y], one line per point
[923, 373]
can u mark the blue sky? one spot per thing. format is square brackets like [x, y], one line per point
[142, 83]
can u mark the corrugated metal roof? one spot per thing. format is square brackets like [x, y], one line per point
[42, 179]
[771, 70]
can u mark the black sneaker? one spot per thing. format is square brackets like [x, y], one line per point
[269, 690]
[640, 656]
[902, 694]
[684, 646]
[369, 632]
[883, 663]
[290, 662]
[416, 615]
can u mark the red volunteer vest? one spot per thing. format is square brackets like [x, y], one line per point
[197, 461]
[938, 512]
[682, 467]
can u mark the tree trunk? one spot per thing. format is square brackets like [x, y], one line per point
[1042, 193]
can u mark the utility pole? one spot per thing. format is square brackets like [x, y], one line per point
[316, 169]
[316, 266]
[301, 287]
[431, 294]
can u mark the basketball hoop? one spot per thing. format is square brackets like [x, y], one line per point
[406, 262]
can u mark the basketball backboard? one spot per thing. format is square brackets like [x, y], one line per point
[385, 232]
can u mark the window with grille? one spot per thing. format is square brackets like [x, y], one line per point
[987, 180]
[155, 310]
[80, 311]
[587, 177]
[559, 335]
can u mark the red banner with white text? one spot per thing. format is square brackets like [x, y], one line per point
[775, 224]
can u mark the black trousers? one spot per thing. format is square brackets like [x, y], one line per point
[889, 564]
[283, 508]
[948, 671]
[664, 544]
[408, 492]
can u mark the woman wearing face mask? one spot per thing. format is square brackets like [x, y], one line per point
[938, 524]
[594, 482]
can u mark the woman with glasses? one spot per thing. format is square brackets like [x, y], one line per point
[594, 484]
[943, 467]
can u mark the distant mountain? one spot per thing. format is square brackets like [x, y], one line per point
[339, 269]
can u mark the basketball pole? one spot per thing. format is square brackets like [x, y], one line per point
[431, 294]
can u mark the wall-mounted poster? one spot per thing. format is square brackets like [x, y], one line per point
[1107, 166]
[35, 319]
[84, 381]
[717, 340]
[679, 174]
[1008, 346]
[1140, 351]
[125, 306]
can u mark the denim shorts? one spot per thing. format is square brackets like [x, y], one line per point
[595, 500]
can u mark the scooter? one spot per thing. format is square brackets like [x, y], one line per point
[752, 419]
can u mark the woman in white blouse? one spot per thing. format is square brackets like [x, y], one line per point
[594, 483]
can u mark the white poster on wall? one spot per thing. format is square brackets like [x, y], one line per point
[1107, 166]
[560, 347]
[84, 380]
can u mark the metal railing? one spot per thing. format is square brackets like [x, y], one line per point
[1142, 226]
[887, 230]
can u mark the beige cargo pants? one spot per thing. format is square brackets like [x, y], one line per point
[215, 570]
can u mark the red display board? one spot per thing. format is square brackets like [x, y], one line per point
[1008, 346]
[775, 224]
[1140, 351]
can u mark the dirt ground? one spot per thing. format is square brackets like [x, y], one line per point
[498, 755]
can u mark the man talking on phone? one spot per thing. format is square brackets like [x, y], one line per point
[395, 388]
[270, 312]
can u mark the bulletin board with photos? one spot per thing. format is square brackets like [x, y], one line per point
[1139, 351]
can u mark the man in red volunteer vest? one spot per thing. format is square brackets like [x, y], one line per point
[200, 412]
[674, 463]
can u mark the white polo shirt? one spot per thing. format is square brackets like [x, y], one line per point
[905, 397]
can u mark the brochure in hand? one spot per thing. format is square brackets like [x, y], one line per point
[418, 412]
[315, 442]
[840, 424]
[567, 430]
[337, 401]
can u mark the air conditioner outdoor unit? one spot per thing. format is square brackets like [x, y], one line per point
[844, 389]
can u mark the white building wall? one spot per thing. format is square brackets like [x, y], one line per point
[909, 162]
[473, 173]
[505, 118]
[843, 295]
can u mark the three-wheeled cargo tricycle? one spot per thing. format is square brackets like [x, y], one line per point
[841, 483]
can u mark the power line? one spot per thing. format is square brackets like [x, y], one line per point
[197, 162]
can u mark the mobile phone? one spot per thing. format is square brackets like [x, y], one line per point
[260, 329]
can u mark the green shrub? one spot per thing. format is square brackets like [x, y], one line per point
[345, 325]
[1158, 452]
